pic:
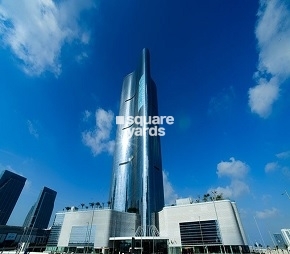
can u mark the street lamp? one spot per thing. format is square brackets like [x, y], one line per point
[218, 222]
[20, 247]
[201, 234]
[141, 239]
[91, 225]
[154, 232]
[259, 232]
[35, 216]
[86, 241]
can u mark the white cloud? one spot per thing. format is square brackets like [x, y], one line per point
[272, 166]
[170, 195]
[239, 188]
[32, 130]
[81, 57]
[98, 139]
[86, 115]
[9, 168]
[235, 189]
[286, 172]
[237, 171]
[232, 168]
[273, 35]
[283, 155]
[85, 38]
[36, 31]
[278, 165]
[262, 97]
[267, 213]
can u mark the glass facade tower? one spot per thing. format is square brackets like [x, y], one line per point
[137, 181]
[11, 186]
[40, 213]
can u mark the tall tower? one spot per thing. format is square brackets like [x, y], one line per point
[40, 213]
[137, 181]
[11, 186]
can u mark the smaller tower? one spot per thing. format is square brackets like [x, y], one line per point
[11, 186]
[40, 213]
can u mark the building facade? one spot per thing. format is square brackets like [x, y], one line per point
[11, 186]
[137, 183]
[136, 220]
[18, 238]
[86, 230]
[40, 213]
[280, 242]
[286, 236]
[206, 227]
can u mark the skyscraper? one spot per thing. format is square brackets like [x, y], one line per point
[137, 181]
[40, 213]
[11, 186]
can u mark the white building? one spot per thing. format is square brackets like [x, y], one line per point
[87, 229]
[213, 226]
[286, 235]
[204, 227]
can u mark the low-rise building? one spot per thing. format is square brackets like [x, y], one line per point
[20, 238]
[213, 226]
[286, 236]
[203, 227]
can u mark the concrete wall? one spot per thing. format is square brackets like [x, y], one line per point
[108, 223]
[222, 211]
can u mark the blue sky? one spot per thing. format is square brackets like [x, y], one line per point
[222, 70]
